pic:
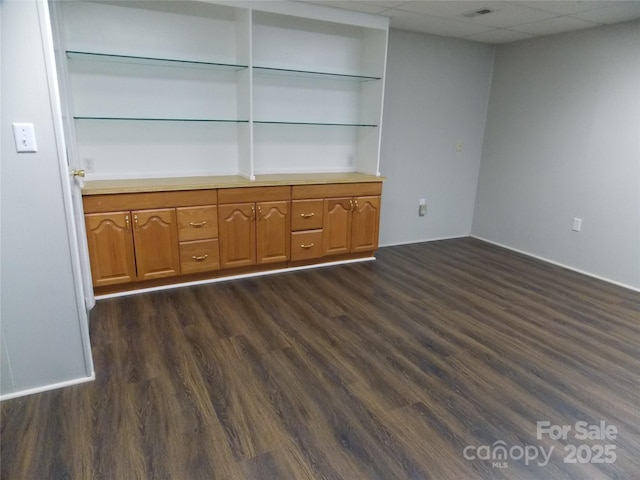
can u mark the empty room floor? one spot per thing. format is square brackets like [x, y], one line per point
[453, 359]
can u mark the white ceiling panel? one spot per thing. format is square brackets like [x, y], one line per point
[613, 14]
[447, 9]
[508, 21]
[499, 35]
[365, 7]
[554, 25]
[386, 3]
[435, 25]
[506, 15]
[565, 7]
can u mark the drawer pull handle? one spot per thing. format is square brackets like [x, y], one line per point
[198, 224]
[307, 246]
[200, 258]
[307, 215]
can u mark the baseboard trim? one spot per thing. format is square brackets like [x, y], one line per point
[558, 264]
[46, 388]
[424, 240]
[231, 277]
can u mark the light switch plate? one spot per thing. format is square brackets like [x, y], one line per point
[25, 137]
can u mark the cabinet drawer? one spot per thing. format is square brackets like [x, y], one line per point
[197, 223]
[306, 214]
[306, 245]
[199, 256]
[299, 192]
[253, 194]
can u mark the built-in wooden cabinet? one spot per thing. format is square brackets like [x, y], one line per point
[272, 232]
[198, 236]
[237, 235]
[351, 224]
[110, 244]
[306, 229]
[336, 235]
[154, 238]
[255, 232]
[349, 213]
[365, 222]
[132, 245]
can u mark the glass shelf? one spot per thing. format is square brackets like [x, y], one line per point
[312, 74]
[151, 61]
[225, 120]
[322, 124]
[144, 119]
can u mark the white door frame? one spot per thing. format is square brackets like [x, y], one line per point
[71, 193]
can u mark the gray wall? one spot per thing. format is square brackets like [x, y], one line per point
[436, 94]
[41, 336]
[562, 140]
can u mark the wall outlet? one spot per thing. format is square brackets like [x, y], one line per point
[422, 207]
[459, 146]
[89, 165]
[577, 224]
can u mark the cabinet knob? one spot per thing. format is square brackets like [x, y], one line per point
[126, 222]
[307, 246]
[200, 258]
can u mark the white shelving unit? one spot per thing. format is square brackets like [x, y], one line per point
[165, 89]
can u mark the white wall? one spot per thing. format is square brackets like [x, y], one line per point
[562, 141]
[41, 336]
[437, 91]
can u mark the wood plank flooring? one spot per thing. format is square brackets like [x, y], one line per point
[379, 370]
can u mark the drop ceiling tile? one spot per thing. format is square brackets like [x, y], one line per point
[365, 7]
[433, 25]
[387, 3]
[506, 15]
[499, 36]
[620, 12]
[448, 9]
[554, 25]
[564, 7]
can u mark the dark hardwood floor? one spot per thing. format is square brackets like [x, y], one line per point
[416, 366]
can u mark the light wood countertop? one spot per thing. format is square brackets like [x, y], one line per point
[102, 187]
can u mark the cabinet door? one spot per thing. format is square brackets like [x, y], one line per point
[272, 232]
[237, 235]
[110, 248]
[336, 230]
[365, 224]
[155, 236]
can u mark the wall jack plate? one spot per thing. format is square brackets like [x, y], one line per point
[422, 207]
